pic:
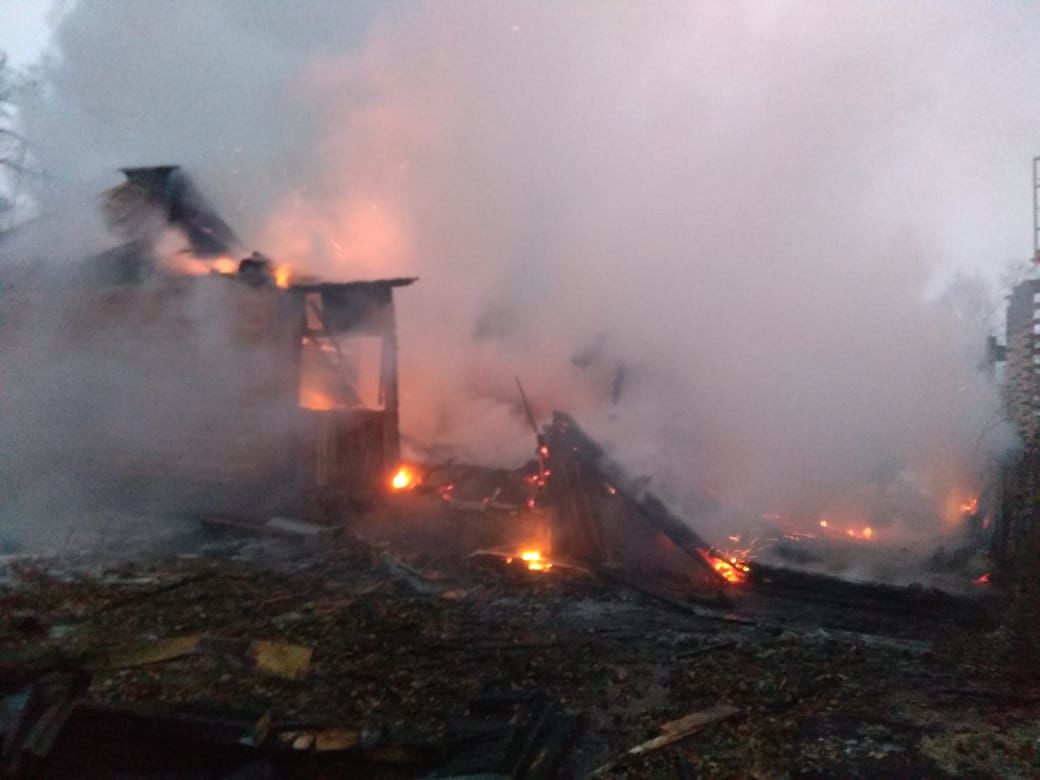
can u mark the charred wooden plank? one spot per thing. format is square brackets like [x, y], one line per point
[580, 473]
[897, 599]
[675, 731]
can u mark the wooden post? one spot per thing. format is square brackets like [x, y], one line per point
[388, 386]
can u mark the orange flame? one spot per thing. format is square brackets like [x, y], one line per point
[864, 534]
[534, 560]
[194, 266]
[283, 276]
[316, 400]
[404, 478]
[224, 265]
[732, 568]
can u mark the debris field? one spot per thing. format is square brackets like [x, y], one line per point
[362, 651]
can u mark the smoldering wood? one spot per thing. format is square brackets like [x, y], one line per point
[582, 485]
[893, 599]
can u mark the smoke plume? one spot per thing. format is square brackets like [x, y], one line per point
[708, 230]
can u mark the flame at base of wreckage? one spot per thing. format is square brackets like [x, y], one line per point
[734, 570]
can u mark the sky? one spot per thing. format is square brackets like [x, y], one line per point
[25, 30]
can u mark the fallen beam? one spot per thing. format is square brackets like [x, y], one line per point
[582, 477]
[674, 731]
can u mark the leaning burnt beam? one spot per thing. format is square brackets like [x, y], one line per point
[582, 475]
[169, 189]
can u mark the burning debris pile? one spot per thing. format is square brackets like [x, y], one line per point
[553, 620]
[557, 619]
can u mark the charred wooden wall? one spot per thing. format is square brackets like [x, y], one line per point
[1016, 535]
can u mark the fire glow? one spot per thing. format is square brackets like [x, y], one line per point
[862, 534]
[732, 569]
[403, 479]
[533, 560]
[865, 534]
[283, 276]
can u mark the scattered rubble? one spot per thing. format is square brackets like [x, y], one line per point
[396, 661]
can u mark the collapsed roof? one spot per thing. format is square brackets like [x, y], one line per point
[170, 192]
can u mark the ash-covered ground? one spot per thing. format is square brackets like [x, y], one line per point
[412, 638]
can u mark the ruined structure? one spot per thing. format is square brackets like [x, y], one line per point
[1022, 382]
[214, 383]
[1016, 537]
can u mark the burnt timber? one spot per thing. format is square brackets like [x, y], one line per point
[600, 514]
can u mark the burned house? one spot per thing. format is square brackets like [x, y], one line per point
[217, 384]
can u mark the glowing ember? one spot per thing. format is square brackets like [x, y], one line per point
[865, 534]
[225, 265]
[194, 266]
[315, 399]
[403, 479]
[283, 276]
[823, 524]
[534, 560]
[970, 506]
[731, 568]
[983, 580]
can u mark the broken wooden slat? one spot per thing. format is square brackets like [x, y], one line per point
[279, 658]
[336, 739]
[280, 527]
[407, 576]
[687, 724]
[877, 641]
[675, 731]
[152, 652]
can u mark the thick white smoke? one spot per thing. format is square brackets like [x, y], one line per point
[740, 206]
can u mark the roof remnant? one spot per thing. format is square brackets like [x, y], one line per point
[171, 191]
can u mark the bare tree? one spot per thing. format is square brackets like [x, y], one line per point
[13, 149]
